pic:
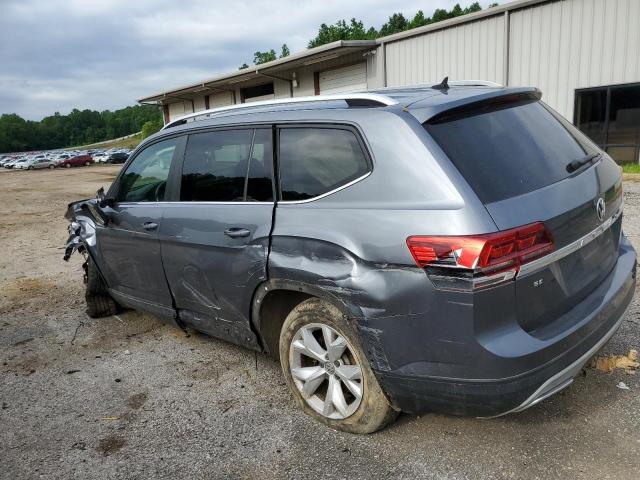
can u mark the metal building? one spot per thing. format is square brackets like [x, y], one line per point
[583, 54]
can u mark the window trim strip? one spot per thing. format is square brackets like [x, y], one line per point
[326, 194]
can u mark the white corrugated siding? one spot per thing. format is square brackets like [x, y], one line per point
[305, 74]
[221, 99]
[177, 109]
[199, 104]
[467, 51]
[558, 46]
[351, 78]
[570, 44]
[281, 89]
[261, 98]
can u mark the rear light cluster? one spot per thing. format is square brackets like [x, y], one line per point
[486, 254]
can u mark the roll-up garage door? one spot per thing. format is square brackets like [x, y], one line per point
[345, 79]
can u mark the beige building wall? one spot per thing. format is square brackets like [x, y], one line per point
[558, 46]
[221, 99]
[466, 51]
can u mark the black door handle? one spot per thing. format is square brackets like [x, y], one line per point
[149, 225]
[236, 232]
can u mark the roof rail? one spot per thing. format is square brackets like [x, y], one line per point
[353, 99]
[474, 83]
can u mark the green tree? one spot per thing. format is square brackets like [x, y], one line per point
[264, 57]
[79, 127]
[354, 30]
[243, 66]
[150, 127]
[419, 20]
[284, 52]
[474, 7]
[397, 23]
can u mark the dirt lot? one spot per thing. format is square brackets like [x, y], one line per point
[128, 397]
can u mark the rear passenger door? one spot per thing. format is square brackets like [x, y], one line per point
[215, 239]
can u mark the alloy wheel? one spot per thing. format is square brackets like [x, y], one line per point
[326, 371]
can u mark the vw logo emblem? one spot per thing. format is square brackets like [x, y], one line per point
[601, 208]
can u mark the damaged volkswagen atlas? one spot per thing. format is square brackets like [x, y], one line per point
[455, 248]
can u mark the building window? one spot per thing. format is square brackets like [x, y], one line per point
[610, 116]
[257, 93]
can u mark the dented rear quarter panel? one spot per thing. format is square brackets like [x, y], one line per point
[351, 245]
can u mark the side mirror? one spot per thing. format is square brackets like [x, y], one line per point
[95, 211]
[104, 201]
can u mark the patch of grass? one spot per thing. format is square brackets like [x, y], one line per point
[631, 168]
[131, 142]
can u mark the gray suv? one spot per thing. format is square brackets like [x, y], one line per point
[455, 248]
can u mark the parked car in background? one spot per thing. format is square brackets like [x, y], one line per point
[22, 164]
[100, 157]
[38, 163]
[77, 161]
[118, 157]
[456, 249]
[19, 163]
[6, 160]
[58, 159]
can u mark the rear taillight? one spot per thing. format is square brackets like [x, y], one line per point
[485, 254]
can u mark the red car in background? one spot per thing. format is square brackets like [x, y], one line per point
[77, 161]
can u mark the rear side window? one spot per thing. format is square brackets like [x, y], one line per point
[228, 166]
[314, 161]
[509, 149]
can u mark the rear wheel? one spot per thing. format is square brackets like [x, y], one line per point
[52, 167]
[327, 370]
[87, 164]
[67, 165]
[99, 302]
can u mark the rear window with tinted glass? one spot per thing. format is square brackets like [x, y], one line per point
[509, 149]
[315, 161]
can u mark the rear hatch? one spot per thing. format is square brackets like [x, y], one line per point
[514, 152]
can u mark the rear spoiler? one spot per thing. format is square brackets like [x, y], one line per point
[427, 111]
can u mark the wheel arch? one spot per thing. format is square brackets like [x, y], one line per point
[273, 301]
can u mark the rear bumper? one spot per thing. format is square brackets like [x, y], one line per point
[543, 373]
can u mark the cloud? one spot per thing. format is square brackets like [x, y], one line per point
[57, 55]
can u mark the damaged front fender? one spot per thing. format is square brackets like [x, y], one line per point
[83, 217]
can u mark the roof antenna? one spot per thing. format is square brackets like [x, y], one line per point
[444, 85]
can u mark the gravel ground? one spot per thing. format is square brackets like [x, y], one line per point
[128, 397]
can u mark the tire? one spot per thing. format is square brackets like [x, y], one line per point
[51, 167]
[349, 373]
[67, 165]
[99, 302]
[29, 168]
[87, 164]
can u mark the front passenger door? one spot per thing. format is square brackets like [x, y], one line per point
[129, 243]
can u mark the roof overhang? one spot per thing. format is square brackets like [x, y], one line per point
[256, 74]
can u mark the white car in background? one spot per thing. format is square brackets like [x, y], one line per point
[101, 157]
[21, 164]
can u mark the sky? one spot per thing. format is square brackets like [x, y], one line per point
[56, 55]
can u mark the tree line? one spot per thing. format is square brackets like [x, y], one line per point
[80, 127]
[356, 30]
